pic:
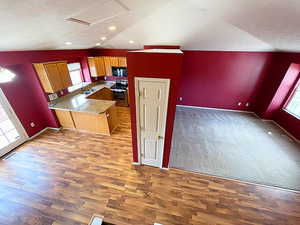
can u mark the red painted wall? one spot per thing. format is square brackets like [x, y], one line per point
[284, 90]
[280, 65]
[161, 46]
[288, 122]
[25, 93]
[222, 79]
[108, 52]
[158, 66]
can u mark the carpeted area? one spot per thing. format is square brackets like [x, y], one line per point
[235, 145]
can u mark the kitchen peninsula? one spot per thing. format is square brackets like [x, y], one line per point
[91, 109]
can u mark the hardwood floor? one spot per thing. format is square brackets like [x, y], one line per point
[64, 177]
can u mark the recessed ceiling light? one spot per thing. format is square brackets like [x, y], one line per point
[98, 44]
[112, 28]
[131, 42]
[103, 38]
[68, 43]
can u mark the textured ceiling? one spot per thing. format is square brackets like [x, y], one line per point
[238, 25]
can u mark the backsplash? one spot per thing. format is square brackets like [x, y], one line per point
[94, 80]
[64, 92]
[112, 78]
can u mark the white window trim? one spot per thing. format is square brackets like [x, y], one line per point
[290, 98]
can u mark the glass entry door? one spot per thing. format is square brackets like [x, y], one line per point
[12, 132]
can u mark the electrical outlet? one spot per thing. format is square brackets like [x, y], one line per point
[247, 104]
[32, 124]
[239, 104]
[180, 99]
[52, 96]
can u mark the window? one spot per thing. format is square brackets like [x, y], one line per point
[75, 73]
[293, 105]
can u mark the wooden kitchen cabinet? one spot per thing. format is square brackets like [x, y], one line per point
[96, 123]
[54, 76]
[103, 123]
[101, 66]
[108, 65]
[122, 61]
[111, 115]
[65, 118]
[97, 66]
[114, 61]
[64, 74]
[103, 94]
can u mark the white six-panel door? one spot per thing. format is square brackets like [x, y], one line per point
[151, 110]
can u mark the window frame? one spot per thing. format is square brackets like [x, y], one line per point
[290, 96]
[79, 85]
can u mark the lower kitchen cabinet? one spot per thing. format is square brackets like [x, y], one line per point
[96, 123]
[103, 123]
[65, 118]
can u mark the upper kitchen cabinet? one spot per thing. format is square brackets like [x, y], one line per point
[101, 66]
[64, 74]
[122, 61]
[114, 61]
[97, 66]
[108, 65]
[54, 76]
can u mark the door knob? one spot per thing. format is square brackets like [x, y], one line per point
[160, 137]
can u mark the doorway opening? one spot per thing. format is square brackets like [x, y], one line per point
[12, 132]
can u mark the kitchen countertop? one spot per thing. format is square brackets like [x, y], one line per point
[78, 102]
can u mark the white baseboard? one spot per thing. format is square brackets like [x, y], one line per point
[288, 133]
[273, 121]
[219, 109]
[136, 163]
[55, 128]
[42, 131]
[38, 133]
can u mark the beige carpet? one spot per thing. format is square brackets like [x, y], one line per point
[235, 145]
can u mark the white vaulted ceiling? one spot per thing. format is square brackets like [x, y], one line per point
[238, 25]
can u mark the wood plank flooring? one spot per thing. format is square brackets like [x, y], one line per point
[64, 177]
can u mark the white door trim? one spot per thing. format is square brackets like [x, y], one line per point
[137, 107]
[12, 115]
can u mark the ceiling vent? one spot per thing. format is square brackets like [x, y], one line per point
[74, 20]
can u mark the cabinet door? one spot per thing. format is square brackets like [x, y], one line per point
[65, 118]
[53, 75]
[92, 66]
[114, 61]
[112, 118]
[122, 62]
[91, 122]
[100, 66]
[107, 63]
[43, 77]
[64, 74]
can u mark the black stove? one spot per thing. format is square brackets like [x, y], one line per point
[119, 90]
[118, 86]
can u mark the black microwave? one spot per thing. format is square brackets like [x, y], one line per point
[119, 71]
